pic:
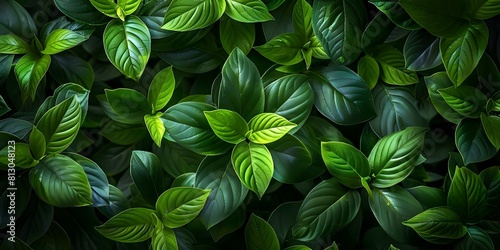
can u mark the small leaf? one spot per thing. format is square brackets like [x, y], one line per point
[161, 89]
[155, 127]
[466, 100]
[227, 125]
[260, 235]
[472, 141]
[254, 166]
[62, 39]
[283, 49]
[23, 157]
[268, 127]
[146, 172]
[234, 34]
[13, 45]
[392, 66]
[37, 143]
[369, 70]
[437, 223]
[117, 8]
[131, 225]
[467, 195]
[180, 205]
[192, 15]
[421, 51]
[248, 11]
[476, 238]
[491, 125]
[30, 70]
[3, 107]
[302, 19]
[163, 237]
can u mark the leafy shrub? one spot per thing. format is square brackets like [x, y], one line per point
[265, 124]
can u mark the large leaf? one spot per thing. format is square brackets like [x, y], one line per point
[437, 223]
[327, 208]
[147, 175]
[461, 54]
[268, 127]
[465, 100]
[131, 225]
[126, 105]
[285, 49]
[234, 34]
[187, 125]
[476, 238]
[60, 125]
[81, 10]
[472, 141]
[241, 89]
[259, 235]
[392, 66]
[128, 46]
[346, 163]
[421, 51]
[393, 157]
[467, 195]
[227, 192]
[248, 11]
[396, 109]
[192, 15]
[434, 83]
[227, 125]
[179, 206]
[393, 206]
[161, 89]
[60, 181]
[491, 126]
[30, 70]
[254, 166]
[342, 95]
[339, 26]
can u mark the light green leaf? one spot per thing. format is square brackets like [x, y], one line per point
[248, 11]
[338, 24]
[163, 238]
[14, 45]
[302, 19]
[465, 100]
[476, 238]
[488, 9]
[259, 235]
[467, 195]
[128, 46]
[60, 181]
[437, 223]
[131, 225]
[30, 70]
[192, 15]
[491, 126]
[180, 205]
[394, 156]
[62, 39]
[254, 166]
[421, 51]
[155, 127]
[461, 54]
[268, 127]
[227, 125]
[392, 66]
[234, 34]
[369, 70]
[146, 172]
[60, 125]
[161, 89]
[126, 105]
[327, 208]
[23, 158]
[346, 163]
[283, 49]
[472, 141]
[37, 143]
[116, 8]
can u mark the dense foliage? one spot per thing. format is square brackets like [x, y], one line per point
[258, 124]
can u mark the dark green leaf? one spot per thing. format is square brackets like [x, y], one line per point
[428, 196]
[283, 218]
[147, 175]
[376, 32]
[421, 51]
[97, 179]
[129, 106]
[16, 20]
[466, 100]
[491, 180]
[177, 160]
[55, 238]
[66, 67]
[491, 125]
[434, 83]
[467, 195]
[184, 180]
[234, 34]
[81, 10]
[179, 206]
[232, 223]
[392, 66]
[192, 15]
[259, 235]
[113, 158]
[131, 225]
[123, 134]
[396, 13]
[117, 202]
[248, 11]
[472, 141]
[476, 238]
[37, 143]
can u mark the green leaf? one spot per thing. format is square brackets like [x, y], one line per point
[338, 24]
[241, 89]
[234, 34]
[443, 19]
[302, 19]
[60, 181]
[4, 108]
[155, 127]
[176, 159]
[437, 223]
[128, 105]
[394, 156]
[14, 45]
[123, 134]
[434, 83]
[467, 195]
[227, 125]
[228, 193]
[118, 202]
[396, 109]
[81, 10]
[128, 46]
[327, 208]
[346, 163]
[283, 49]
[163, 237]
[37, 143]
[248, 11]
[428, 196]
[23, 158]
[488, 9]
[461, 54]
[60, 125]
[268, 127]
[66, 67]
[5, 66]
[391, 207]
[131, 225]
[116, 9]
[421, 51]
[472, 141]
[184, 180]
[466, 100]
[283, 218]
[396, 14]
[491, 125]
[476, 238]
[186, 124]
[341, 95]
[161, 89]
[147, 175]
[192, 15]
[54, 238]
[179, 206]
[232, 223]
[377, 31]
[291, 97]
[14, 19]
[30, 70]
[254, 166]
[259, 235]
[62, 39]
[369, 70]
[392, 66]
